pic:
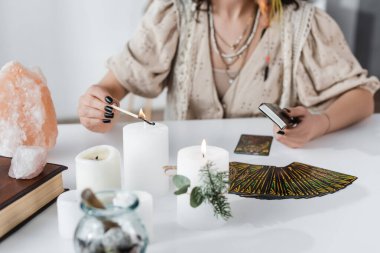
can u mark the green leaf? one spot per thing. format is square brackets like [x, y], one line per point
[214, 185]
[196, 197]
[182, 190]
[181, 181]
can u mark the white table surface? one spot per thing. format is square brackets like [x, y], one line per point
[347, 221]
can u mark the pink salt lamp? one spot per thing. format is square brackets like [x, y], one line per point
[27, 115]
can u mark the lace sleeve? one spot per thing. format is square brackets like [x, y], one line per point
[327, 66]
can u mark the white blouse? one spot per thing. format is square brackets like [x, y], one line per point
[152, 60]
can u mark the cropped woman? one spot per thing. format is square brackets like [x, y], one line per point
[223, 58]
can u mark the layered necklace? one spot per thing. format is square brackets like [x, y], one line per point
[230, 59]
[237, 42]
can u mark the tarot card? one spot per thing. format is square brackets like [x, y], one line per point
[246, 179]
[294, 181]
[320, 181]
[254, 145]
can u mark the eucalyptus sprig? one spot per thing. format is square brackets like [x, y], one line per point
[213, 190]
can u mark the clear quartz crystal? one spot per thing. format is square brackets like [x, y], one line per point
[115, 239]
[28, 162]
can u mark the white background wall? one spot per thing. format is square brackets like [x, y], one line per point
[69, 39]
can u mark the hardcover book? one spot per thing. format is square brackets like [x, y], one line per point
[21, 200]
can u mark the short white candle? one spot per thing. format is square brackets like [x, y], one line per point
[146, 151]
[98, 168]
[190, 161]
[69, 213]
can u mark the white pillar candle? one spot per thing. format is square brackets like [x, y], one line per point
[144, 209]
[98, 168]
[190, 161]
[146, 151]
[69, 213]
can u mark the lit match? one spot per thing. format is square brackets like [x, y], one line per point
[140, 116]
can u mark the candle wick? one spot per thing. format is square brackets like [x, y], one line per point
[203, 155]
[97, 158]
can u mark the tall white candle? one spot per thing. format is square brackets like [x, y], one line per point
[98, 168]
[146, 151]
[190, 161]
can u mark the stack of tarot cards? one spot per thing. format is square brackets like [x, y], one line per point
[295, 181]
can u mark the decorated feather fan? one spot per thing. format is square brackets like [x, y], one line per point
[295, 181]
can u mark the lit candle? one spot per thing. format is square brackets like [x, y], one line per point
[146, 151]
[190, 161]
[98, 168]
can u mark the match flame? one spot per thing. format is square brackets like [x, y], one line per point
[142, 114]
[203, 148]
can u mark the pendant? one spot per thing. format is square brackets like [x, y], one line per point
[229, 60]
[266, 72]
[231, 81]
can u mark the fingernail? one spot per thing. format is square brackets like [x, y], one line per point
[109, 100]
[281, 132]
[287, 110]
[108, 115]
[106, 121]
[108, 109]
[295, 120]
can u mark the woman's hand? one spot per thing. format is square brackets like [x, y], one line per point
[95, 111]
[310, 127]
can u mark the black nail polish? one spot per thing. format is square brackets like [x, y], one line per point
[109, 100]
[281, 132]
[109, 115]
[108, 109]
[106, 121]
[295, 120]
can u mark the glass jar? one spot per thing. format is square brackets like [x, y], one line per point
[114, 229]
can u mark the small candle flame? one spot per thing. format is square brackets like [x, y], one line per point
[142, 114]
[203, 148]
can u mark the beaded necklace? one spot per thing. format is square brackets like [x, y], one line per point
[232, 56]
[230, 59]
